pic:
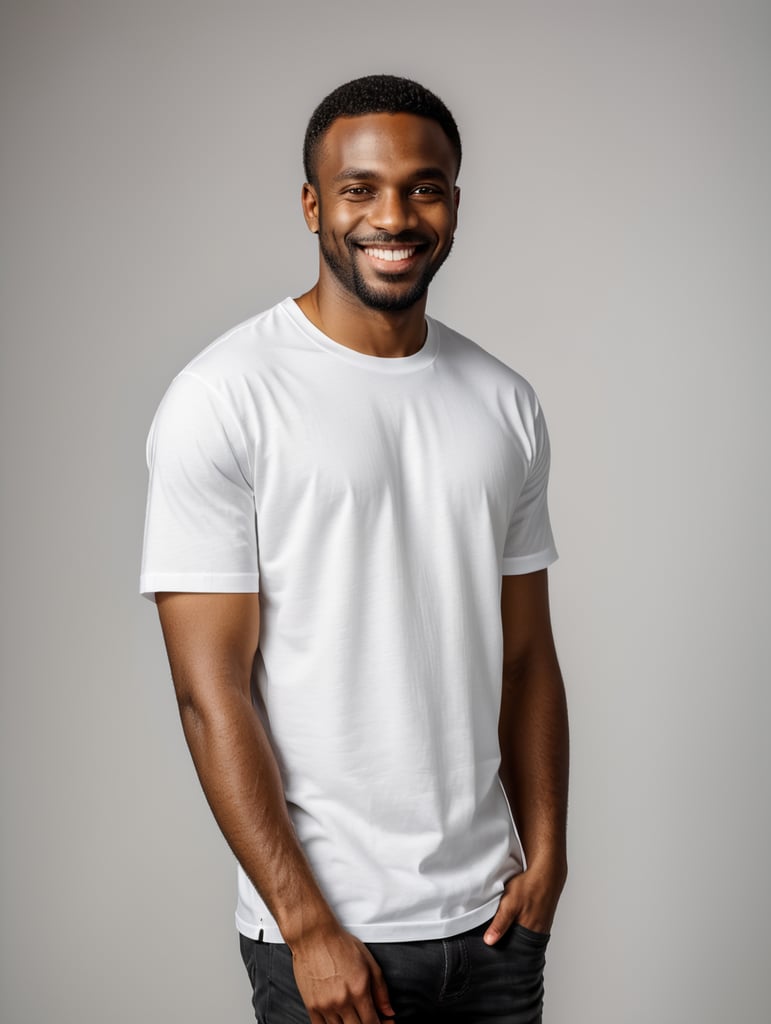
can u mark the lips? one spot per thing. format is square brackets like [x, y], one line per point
[391, 258]
[390, 255]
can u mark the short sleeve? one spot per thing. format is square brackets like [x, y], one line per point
[529, 542]
[200, 525]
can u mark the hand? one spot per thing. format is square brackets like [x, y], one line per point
[339, 979]
[530, 899]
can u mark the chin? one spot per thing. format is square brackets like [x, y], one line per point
[390, 302]
[390, 299]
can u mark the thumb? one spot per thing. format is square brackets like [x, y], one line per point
[503, 920]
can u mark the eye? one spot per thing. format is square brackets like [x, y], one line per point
[426, 190]
[356, 191]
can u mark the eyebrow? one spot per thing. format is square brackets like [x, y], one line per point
[357, 173]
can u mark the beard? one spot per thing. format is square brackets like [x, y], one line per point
[386, 299]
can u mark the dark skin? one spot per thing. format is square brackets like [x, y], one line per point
[388, 179]
[533, 735]
[405, 202]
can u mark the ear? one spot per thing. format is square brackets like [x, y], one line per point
[456, 198]
[310, 201]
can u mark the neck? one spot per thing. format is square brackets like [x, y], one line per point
[345, 319]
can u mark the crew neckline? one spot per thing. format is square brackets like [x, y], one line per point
[380, 364]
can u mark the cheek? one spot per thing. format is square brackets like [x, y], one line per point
[337, 220]
[444, 229]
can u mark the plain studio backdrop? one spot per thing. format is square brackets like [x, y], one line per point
[613, 246]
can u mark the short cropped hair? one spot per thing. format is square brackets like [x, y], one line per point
[375, 94]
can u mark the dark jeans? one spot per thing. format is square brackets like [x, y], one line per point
[458, 980]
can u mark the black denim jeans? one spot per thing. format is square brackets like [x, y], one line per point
[458, 980]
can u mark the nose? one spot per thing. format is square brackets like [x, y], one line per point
[392, 212]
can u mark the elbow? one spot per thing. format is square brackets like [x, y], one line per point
[204, 701]
[515, 669]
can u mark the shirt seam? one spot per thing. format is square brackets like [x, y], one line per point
[376, 367]
[224, 407]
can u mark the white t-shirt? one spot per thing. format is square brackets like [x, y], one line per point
[375, 504]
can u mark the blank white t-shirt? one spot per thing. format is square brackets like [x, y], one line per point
[374, 504]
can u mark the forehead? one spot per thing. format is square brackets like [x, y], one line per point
[385, 142]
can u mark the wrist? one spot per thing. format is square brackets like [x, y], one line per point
[550, 865]
[307, 924]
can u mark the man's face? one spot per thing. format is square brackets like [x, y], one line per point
[385, 207]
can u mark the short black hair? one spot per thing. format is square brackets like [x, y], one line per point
[375, 94]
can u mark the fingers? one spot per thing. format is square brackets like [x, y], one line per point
[347, 1012]
[353, 992]
[504, 918]
[529, 898]
[352, 1009]
[373, 1004]
[380, 992]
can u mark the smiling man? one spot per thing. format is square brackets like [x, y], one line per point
[347, 537]
[386, 265]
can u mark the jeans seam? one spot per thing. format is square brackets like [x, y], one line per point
[269, 985]
[464, 969]
[446, 978]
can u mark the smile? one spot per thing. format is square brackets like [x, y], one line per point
[390, 255]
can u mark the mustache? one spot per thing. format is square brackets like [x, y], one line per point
[383, 238]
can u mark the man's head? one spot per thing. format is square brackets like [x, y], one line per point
[382, 157]
[375, 94]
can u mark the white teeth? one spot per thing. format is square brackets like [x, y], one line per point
[390, 254]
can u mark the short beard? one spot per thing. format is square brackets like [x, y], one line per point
[349, 275]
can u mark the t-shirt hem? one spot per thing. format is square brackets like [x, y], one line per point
[521, 564]
[405, 931]
[199, 583]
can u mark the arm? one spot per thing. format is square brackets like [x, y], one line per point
[533, 732]
[212, 640]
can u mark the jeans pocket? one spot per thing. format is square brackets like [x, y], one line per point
[508, 977]
[540, 939]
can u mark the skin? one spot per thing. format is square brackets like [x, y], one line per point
[402, 196]
[388, 180]
[533, 736]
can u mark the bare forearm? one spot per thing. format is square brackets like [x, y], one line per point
[212, 640]
[241, 780]
[334, 971]
[533, 732]
[534, 758]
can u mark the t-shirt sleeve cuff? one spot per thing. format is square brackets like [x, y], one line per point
[199, 583]
[521, 564]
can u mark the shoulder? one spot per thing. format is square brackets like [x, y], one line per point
[227, 373]
[470, 358]
[251, 345]
[213, 394]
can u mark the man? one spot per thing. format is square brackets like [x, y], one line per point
[347, 537]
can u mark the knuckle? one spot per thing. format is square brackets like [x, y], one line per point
[331, 1002]
[359, 988]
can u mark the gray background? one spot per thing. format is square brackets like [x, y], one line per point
[614, 247]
